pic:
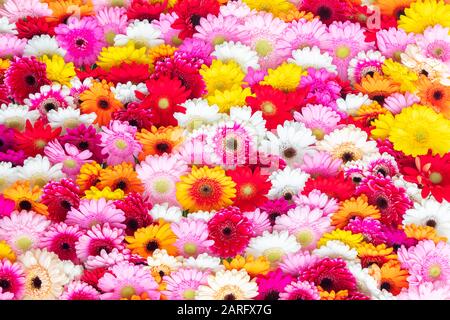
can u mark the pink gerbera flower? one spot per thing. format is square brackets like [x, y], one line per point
[169, 34]
[119, 142]
[237, 9]
[316, 199]
[276, 208]
[396, 102]
[11, 46]
[192, 237]
[427, 262]
[260, 221]
[96, 212]
[393, 42]
[295, 263]
[107, 259]
[300, 290]
[218, 29]
[182, 284]
[302, 33]
[6, 206]
[254, 76]
[50, 98]
[320, 164]
[272, 284]
[17, 9]
[319, 118]
[435, 42]
[12, 280]
[197, 48]
[97, 239]
[71, 158]
[322, 86]
[83, 39]
[61, 239]
[425, 291]
[307, 225]
[113, 20]
[126, 280]
[370, 228]
[79, 290]
[385, 166]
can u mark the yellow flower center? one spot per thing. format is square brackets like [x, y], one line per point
[176, 41]
[24, 243]
[117, 3]
[161, 186]
[163, 103]
[435, 271]
[121, 144]
[318, 133]
[14, 123]
[247, 190]
[218, 40]
[263, 48]
[421, 136]
[304, 237]
[436, 177]
[109, 36]
[190, 248]
[70, 163]
[40, 143]
[397, 56]
[127, 292]
[71, 123]
[273, 254]
[342, 52]
[39, 181]
[189, 294]
[268, 107]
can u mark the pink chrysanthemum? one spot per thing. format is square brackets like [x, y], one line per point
[71, 158]
[370, 228]
[107, 259]
[427, 262]
[254, 76]
[305, 224]
[79, 290]
[11, 46]
[182, 284]
[82, 39]
[94, 212]
[276, 208]
[97, 239]
[12, 280]
[218, 29]
[23, 230]
[18, 9]
[113, 20]
[300, 290]
[295, 263]
[302, 33]
[271, 285]
[61, 239]
[321, 164]
[126, 280]
[50, 98]
[396, 102]
[192, 237]
[316, 199]
[260, 221]
[319, 118]
[322, 86]
[393, 42]
[119, 143]
[60, 197]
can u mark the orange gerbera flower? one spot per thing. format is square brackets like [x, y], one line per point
[377, 87]
[435, 95]
[89, 175]
[295, 15]
[253, 266]
[333, 295]
[423, 233]
[352, 208]
[393, 277]
[101, 100]
[370, 112]
[159, 140]
[64, 9]
[121, 176]
[26, 197]
[371, 254]
[394, 8]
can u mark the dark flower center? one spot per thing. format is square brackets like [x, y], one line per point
[437, 95]
[80, 42]
[103, 104]
[100, 248]
[133, 123]
[379, 98]
[121, 185]
[232, 144]
[36, 282]
[195, 19]
[161, 273]
[49, 106]
[382, 171]
[229, 296]
[25, 205]
[30, 80]
[66, 204]
[132, 224]
[227, 231]
[382, 203]
[370, 73]
[356, 179]
[273, 216]
[152, 245]
[65, 246]
[288, 196]
[272, 295]
[348, 156]
[5, 284]
[399, 12]
[206, 190]
[290, 153]
[1, 143]
[324, 12]
[83, 145]
[326, 284]
[431, 223]
[386, 286]
[162, 147]
[424, 72]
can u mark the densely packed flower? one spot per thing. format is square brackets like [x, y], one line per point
[218, 149]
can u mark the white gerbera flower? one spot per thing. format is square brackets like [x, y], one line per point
[163, 211]
[430, 213]
[39, 171]
[287, 183]
[228, 285]
[41, 45]
[6, 26]
[201, 215]
[69, 118]
[352, 103]
[291, 142]
[72, 271]
[198, 112]
[348, 144]
[8, 175]
[253, 122]
[204, 262]
[337, 249]
[142, 32]
[412, 189]
[45, 276]
[15, 116]
[239, 53]
[273, 245]
[125, 93]
[312, 58]
[162, 261]
[365, 282]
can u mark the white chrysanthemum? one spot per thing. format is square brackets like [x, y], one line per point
[15, 116]
[45, 275]
[163, 211]
[364, 63]
[430, 213]
[348, 144]
[287, 183]
[198, 112]
[160, 259]
[41, 45]
[69, 118]
[273, 245]
[8, 175]
[253, 122]
[237, 52]
[312, 58]
[352, 103]
[6, 26]
[72, 271]
[39, 171]
[202, 215]
[365, 282]
[125, 93]
[228, 285]
[291, 141]
[204, 262]
[337, 249]
[412, 189]
[142, 32]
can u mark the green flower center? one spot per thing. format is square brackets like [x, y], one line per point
[70, 163]
[273, 254]
[24, 243]
[127, 292]
[342, 52]
[121, 144]
[268, 107]
[163, 103]
[435, 271]
[263, 48]
[304, 237]
[161, 186]
[436, 177]
[218, 40]
[190, 248]
[189, 294]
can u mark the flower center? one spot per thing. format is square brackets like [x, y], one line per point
[304, 237]
[436, 177]
[25, 205]
[162, 147]
[435, 271]
[326, 284]
[218, 40]
[232, 144]
[190, 248]
[195, 19]
[227, 231]
[189, 294]
[342, 52]
[273, 254]
[437, 95]
[127, 292]
[163, 103]
[5, 284]
[324, 12]
[70, 163]
[263, 47]
[206, 190]
[24, 243]
[318, 133]
[421, 136]
[161, 186]
[247, 190]
[268, 107]
[290, 153]
[40, 143]
[30, 80]
[109, 36]
[386, 286]
[103, 104]
[121, 144]
[382, 203]
[152, 245]
[121, 185]
[83, 145]
[71, 123]
[66, 204]
[36, 282]
[80, 42]
[49, 106]
[431, 223]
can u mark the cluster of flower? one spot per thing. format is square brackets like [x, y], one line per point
[214, 149]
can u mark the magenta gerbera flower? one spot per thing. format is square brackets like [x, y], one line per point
[84, 138]
[79, 290]
[322, 86]
[61, 239]
[60, 197]
[12, 280]
[182, 284]
[300, 290]
[136, 212]
[276, 208]
[371, 229]
[272, 284]
[192, 237]
[82, 39]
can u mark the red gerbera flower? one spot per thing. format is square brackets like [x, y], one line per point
[335, 187]
[136, 212]
[91, 72]
[60, 197]
[91, 277]
[383, 23]
[164, 98]
[34, 139]
[231, 232]
[251, 187]
[33, 26]
[190, 12]
[25, 76]
[330, 274]
[144, 10]
[327, 10]
[133, 72]
[432, 174]
[4, 94]
[136, 115]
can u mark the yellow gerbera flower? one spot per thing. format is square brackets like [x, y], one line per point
[273, 6]
[253, 266]
[114, 56]
[58, 70]
[107, 193]
[6, 252]
[146, 240]
[423, 14]
[423, 233]
[400, 74]
[205, 189]
[419, 128]
[89, 175]
[382, 126]
[26, 197]
[285, 77]
[229, 98]
[347, 237]
[370, 254]
[222, 76]
[333, 295]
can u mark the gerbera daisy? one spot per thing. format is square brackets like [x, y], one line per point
[392, 42]
[393, 277]
[222, 76]
[436, 42]
[434, 94]
[352, 208]
[320, 163]
[337, 249]
[84, 137]
[26, 197]
[377, 87]
[365, 63]
[183, 283]
[35, 137]
[34, 26]
[146, 240]
[327, 11]
[336, 187]
[346, 237]
[121, 176]
[6, 252]
[60, 197]
[39, 171]
[79, 290]
[159, 141]
[319, 118]
[424, 13]
[165, 212]
[162, 264]
[372, 230]
[6, 206]
[105, 259]
[237, 52]
[424, 291]
[12, 280]
[300, 290]
[286, 183]
[276, 208]
[11, 46]
[58, 70]
[142, 33]
[254, 267]
[61, 239]
[88, 176]
[316, 199]
[136, 212]
[271, 285]
[370, 254]
[192, 237]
